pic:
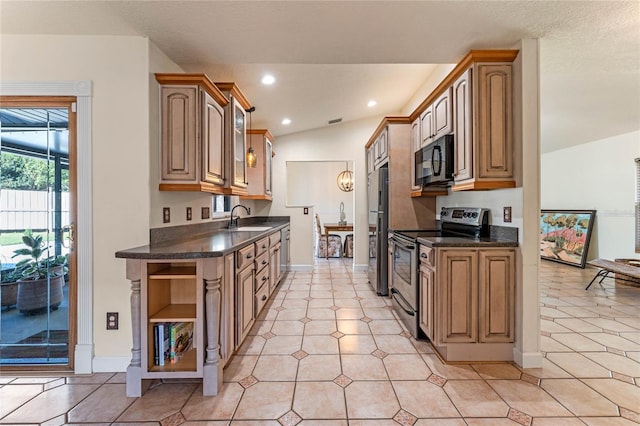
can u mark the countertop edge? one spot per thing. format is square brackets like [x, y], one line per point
[470, 243]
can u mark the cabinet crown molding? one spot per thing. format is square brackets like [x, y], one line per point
[471, 58]
[235, 91]
[383, 124]
[197, 79]
[264, 132]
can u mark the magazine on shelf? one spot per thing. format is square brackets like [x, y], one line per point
[181, 340]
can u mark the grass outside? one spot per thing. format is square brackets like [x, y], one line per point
[10, 238]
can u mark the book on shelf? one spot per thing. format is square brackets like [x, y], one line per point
[161, 342]
[181, 339]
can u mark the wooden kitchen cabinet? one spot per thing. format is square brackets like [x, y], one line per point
[245, 301]
[467, 302]
[380, 149]
[436, 120]
[275, 261]
[192, 133]
[259, 177]
[227, 323]
[483, 127]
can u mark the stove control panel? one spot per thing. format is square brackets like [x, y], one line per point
[475, 216]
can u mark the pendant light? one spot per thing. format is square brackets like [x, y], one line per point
[345, 180]
[251, 154]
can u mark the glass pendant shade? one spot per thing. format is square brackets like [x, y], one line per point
[345, 180]
[251, 157]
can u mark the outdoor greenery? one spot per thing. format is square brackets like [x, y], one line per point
[11, 238]
[35, 267]
[28, 173]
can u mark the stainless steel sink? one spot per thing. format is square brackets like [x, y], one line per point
[251, 228]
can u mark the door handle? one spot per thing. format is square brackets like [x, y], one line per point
[70, 231]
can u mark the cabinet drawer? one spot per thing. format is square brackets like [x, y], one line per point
[262, 246]
[245, 256]
[262, 295]
[274, 238]
[427, 255]
[262, 261]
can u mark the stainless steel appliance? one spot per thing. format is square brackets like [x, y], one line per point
[434, 162]
[378, 199]
[460, 222]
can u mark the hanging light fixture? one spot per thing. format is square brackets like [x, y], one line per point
[251, 154]
[345, 180]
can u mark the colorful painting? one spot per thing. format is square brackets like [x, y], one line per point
[565, 234]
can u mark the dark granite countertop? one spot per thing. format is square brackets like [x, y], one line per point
[465, 242]
[214, 243]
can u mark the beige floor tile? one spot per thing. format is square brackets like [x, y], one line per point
[297, 294]
[320, 345]
[620, 393]
[357, 344]
[578, 312]
[293, 314]
[364, 400]
[325, 314]
[634, 356]
[578, 325]
[394, 344]
[252, 345]
[276, 368]
[490, 422]
[607, 421]
[14, 396]
[319, 400]
[413, 394]
[347, 303]
[577, 397]
[49, 404]
[609, 324]
[406, 367]
[385, 327]
[320, 303]
[106, 404]
[577, 342]
[382, 422]
[118, 378]
[344, 293]
[557, 421]
[613, 341]
[323, 423]
[353, 327]
[95, 378]
[617, 363]
[282, 345]
[553, 313]
[528, 398]
[320, 328]
[450, 371]
[295, 304]
[633, 336]
[440, 422]
[373, 303]
[240, 367]
[261, 327]
[219, 407]
[552, 327]
[497, 371]
[379, 313]
[158, 402]
[265, 400]
[548, 371]
[287, 328]
[363, 367]
[349, 313]
[474, 398]
[321, 294]
[319, 367]
[578, 365]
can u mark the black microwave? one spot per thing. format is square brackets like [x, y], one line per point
[434, 162]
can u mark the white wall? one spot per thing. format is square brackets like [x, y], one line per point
[597, 176]
[118, 69]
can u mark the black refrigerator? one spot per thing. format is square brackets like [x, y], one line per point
[378, 200]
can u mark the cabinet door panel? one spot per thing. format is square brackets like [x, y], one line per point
[267, 166]
[427, 306]
[442, 123]
[179, 136]
[415, 145]
[496, 293]
[495, 139]
[426, 126]
[459, 289]
[213, 141]
[245, 302]
[462, 122]
[239, 146]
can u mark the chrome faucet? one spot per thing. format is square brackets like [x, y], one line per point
[231, 221]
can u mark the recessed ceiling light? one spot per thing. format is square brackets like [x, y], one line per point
[371, 103]
[286, 121]
[268, 79]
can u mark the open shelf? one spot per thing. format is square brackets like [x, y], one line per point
[175, 313]
[174, 272]
[187, 362]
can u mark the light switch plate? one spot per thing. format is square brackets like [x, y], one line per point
[189, 213]
[166, 215]
[305, 210]
[205, 213]
[506, 214]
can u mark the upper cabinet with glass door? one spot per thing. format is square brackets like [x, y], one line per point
[259, 177]
[235, 138]
[192, 122]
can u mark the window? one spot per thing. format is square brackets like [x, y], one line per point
[221, 204]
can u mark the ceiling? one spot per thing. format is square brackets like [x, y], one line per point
[331, 57]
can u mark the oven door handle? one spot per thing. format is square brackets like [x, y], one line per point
[402, 244]
[398, 298]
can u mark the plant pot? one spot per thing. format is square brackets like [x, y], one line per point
[33, 295]
[8, 294]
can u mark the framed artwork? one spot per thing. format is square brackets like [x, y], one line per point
[565, 235]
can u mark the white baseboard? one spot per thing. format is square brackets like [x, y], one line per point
[300, 268]
[111, 364]
[83, 356]
[527, 359]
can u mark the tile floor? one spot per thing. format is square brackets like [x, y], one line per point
[328, 351]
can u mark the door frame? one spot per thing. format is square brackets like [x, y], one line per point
[81, 315]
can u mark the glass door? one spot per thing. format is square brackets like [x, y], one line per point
[36, 232]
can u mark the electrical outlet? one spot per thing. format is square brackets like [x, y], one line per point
[305, 210]
[506, 214]
[189, 214]
[166, 215]
[112, 320]
[205, 213]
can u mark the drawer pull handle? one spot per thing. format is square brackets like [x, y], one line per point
[264, 262]
[264, 279]
[264, 297]
[249, 255]
[263, 246]
[424, 255]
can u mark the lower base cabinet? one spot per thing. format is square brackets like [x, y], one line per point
[467, 302]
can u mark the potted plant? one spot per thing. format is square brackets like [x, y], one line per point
[9, 287]
[40, 286]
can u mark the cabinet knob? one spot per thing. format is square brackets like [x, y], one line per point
[264, 278]
[264, 297]
[263, 246]
[264, 262]
[424, 255]
[249, 256]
